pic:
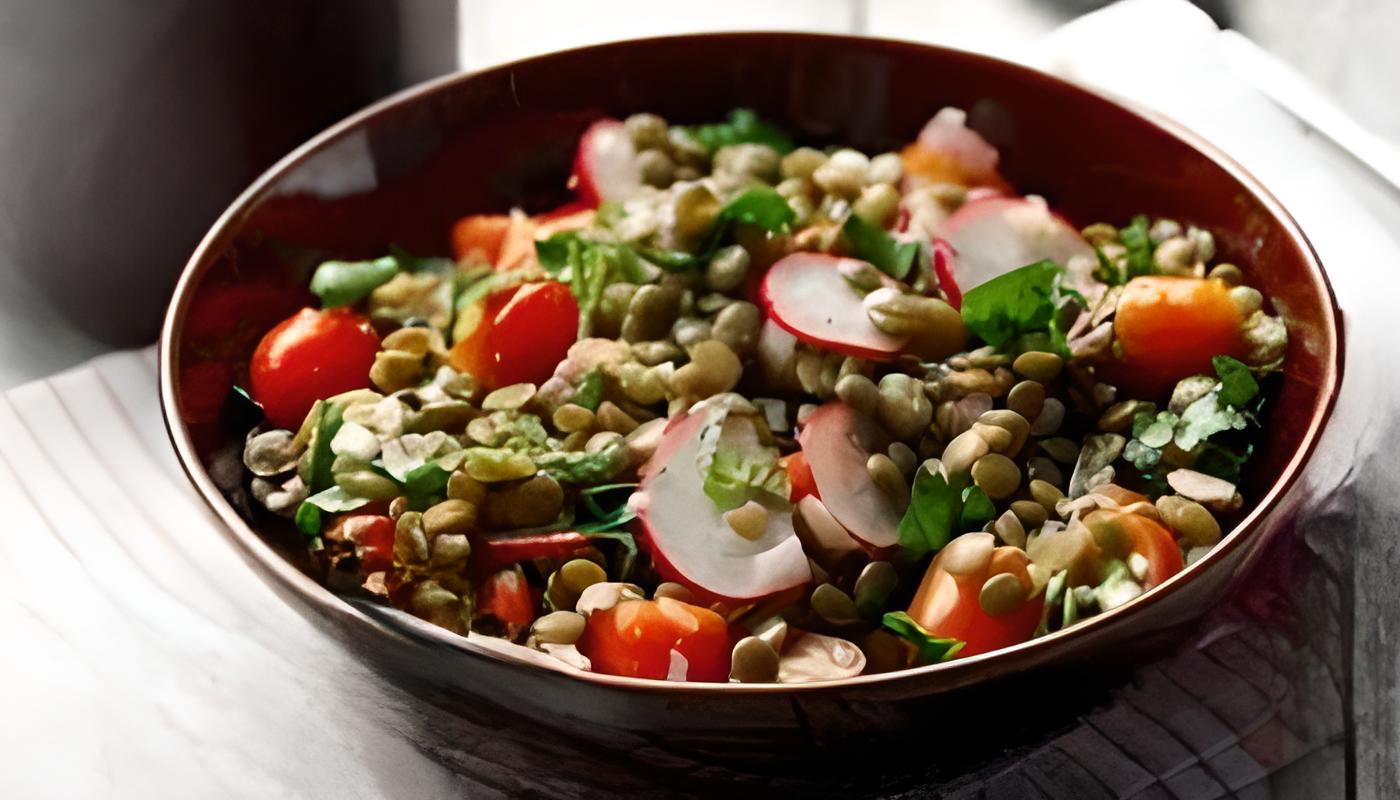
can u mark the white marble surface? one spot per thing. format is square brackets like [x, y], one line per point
[144, 659]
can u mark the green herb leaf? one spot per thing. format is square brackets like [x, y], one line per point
[308, 519]
[931, 649]
[425, 485]
[589, 393]
[1205, 418]
[1020, 302]
[1237, 384]
[761, 206]
[935, 509]
[1141, 455]
[343, 283]
[1138, 242]
[554, 253]
[623, 561]
[743, 126]
[735, 463]
[869, 243]
[580, 467]
[977, 509]
[329, 417]
[335, 500]
[670, 260]
[1221, 462]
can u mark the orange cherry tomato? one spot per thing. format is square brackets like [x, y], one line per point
[637, 639]
[1154, 542]
[480, 234]
[310, 356]
[800, 478]
[1170, 328]
[948, 605]
[522, 336]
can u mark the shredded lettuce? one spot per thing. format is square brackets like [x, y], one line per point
[736, 463]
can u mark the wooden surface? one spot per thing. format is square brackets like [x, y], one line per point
[144, 659]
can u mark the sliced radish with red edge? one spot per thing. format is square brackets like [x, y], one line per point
[691, 543]
[808, 297]
[995, 236]
[605, 166]
[837, 441]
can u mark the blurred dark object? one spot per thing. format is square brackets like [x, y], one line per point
[126, 126]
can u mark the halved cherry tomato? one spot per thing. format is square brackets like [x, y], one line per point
[949, 605]
[480, 234]
[310, 356]
[372, 534]
[506, 596]
[1170, 327]
[800, 478]
[523, 334]
[1154, 542]
[637, 638]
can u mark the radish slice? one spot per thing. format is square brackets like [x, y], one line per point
[944, 268]
[605, 167]
[837, 440]
[691, 543]
[948, 135]
[995, 236]
[806, 295]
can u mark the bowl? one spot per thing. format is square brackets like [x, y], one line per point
[400, 172]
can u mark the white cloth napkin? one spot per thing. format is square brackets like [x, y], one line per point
[144, 659]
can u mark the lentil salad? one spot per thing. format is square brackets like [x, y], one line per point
[756, 412]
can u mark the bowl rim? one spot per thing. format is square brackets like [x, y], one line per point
[954, 673]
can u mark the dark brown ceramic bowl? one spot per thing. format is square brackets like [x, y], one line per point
[403, 170]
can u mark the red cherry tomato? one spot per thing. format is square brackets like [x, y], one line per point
[636, 638]
[373, 535]
[523, 335]
[800, 477]
[310, 356]
[949, 606]
[506, 596]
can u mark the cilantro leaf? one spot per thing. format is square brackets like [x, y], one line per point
[343, 283]
[1138, 242]
[555, 252]
[935, 509]
[1220, 462]
[869, 243]
[1019, 302]
[1205, 418]
[1237, 384]
[743, 126]
[930, 649]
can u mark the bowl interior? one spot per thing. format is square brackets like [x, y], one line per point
[402, 172]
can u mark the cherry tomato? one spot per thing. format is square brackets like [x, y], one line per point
[373, 536]
[1170, 328]
[480, 234]
[506, 596]
[310, 356]
[523, 334]
[1143, 535]
[949, 605]
[636, 638]
[800, 477]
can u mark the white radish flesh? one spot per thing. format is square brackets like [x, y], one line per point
[807, 296]
[837, 441]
